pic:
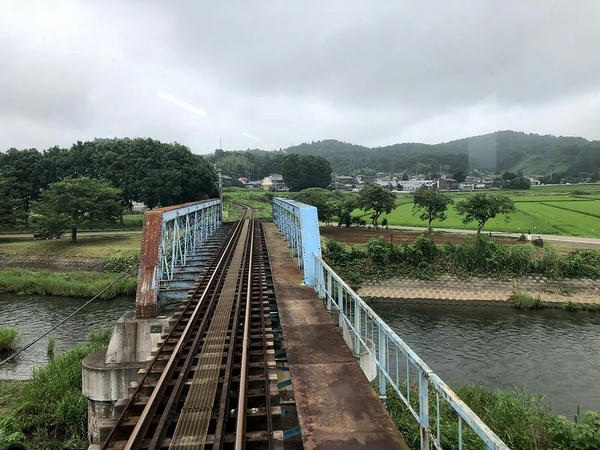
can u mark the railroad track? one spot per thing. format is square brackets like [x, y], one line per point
[212, 381]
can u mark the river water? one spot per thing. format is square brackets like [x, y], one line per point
[32, 315]
[550, 352]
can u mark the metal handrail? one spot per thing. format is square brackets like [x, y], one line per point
[371, 334]
[300, 226]
[381, 352]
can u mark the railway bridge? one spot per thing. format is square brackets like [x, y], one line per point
[243, 337]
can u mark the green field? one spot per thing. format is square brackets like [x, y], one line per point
[562, 210]
[91, 245]
[257, 198]
[571, 210]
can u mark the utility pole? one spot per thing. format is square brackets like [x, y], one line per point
[219, 187]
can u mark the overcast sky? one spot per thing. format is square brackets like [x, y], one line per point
[270, 74]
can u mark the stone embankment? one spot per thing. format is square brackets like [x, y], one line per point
[449, 289]
[50, 262]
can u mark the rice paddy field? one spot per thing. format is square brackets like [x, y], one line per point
[568, 210]
[562, 210]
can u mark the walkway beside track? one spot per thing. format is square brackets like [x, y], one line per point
[337, 407]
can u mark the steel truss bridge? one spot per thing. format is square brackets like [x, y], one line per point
[219, 375]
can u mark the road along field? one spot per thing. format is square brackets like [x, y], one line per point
[543, 211]
[356, 235]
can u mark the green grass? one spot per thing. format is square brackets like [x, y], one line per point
[559, 211]
[133, 220]
[521, 420]
[475, 256]
[257, 198]
[49, 411]
[569, 306]
[66, 284]
[524, 301]
[89, 245]
[51, 346]
[9, 338]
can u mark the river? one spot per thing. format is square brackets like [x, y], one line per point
[550, 352]
[32, 315]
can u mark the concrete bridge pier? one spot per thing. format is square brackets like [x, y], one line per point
[107, 374]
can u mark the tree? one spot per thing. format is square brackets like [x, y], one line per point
[459, 175]
[12, 210]
[404, 176]
[26, 169]
[507, 176]
[517, 183]
[343, 207]
[75, 203]
[431, 204]
[304, 171]
[482, 207]
[377, 199]
[321, 199]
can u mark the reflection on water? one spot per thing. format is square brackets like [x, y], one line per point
[550, 352]
[33, 315]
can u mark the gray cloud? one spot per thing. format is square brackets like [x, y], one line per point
[368, 72]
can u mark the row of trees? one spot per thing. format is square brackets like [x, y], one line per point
[428, 203]
[480, 207]
[142, 170]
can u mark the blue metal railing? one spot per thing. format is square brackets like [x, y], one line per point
[299, 225]
[382, 354]
[184, 230]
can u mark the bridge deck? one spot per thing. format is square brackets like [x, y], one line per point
[337, 408]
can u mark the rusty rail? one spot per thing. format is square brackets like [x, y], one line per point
[218, 353]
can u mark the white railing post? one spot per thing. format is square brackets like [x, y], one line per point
[357, 331]
[424, 410]
[382, 362]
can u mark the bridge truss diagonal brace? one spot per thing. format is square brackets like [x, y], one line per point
[169, 235]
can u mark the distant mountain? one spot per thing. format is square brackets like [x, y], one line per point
[533, 154]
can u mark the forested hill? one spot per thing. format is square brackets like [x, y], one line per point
[533, 154]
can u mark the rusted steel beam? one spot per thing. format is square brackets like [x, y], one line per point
[146, 297]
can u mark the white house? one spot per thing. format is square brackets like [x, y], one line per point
[413, 185]
[273, 182]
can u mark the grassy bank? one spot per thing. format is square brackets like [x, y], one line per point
[521, 420]
[88, 245]
[257, 198]
[74, 284]
[49, 411]
[475, 257]
[9, 338]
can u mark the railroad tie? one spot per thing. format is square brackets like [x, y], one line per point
[194, 418]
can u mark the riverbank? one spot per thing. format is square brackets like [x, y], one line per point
[585, 293]
[49, 411]
[520, 419]
[93, 252]
[65, 284]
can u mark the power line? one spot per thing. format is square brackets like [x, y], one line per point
[22, 349]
